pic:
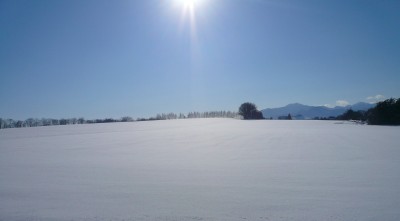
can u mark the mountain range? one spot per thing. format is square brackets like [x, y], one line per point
[301, 111]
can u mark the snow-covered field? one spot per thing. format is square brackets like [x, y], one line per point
[201, 169]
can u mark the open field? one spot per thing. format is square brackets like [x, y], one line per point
[201, 169]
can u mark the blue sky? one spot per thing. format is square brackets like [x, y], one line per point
[96, 58]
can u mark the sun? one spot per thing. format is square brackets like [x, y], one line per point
[189, 9]
[189, 3]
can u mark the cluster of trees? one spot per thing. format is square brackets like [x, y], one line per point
[325, 118]
[288, 117]
[249, 112]
[384, 113]
[36, 122]
[353, 115]
[214, 114]
[207, 114]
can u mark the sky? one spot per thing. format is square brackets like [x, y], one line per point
[103, 58]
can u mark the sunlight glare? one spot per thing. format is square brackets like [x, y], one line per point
[189, 3]
[188, 10]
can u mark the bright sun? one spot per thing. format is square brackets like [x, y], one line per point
[188, 10]
[189, 3]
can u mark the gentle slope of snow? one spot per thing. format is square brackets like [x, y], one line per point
[201, 169]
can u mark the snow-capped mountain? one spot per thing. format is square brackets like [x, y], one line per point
[302, 111]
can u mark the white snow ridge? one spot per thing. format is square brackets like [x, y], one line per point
[201, 169]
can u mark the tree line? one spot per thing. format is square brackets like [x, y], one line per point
[38, 122]
[384, 113]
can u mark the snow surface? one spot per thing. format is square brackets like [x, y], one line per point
[201, 169]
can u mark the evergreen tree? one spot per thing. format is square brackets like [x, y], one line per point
[385, 113]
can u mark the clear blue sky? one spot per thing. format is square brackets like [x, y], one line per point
[95, 58]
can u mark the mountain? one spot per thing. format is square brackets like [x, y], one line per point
[301, 111]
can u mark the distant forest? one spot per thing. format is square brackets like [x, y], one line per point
[36, 122]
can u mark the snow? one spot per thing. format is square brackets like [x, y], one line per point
[201, 169]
